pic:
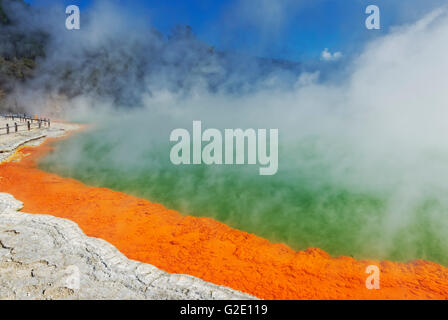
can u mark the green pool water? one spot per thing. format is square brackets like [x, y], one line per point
[305, 205]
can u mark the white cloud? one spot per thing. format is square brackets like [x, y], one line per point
[328, 56]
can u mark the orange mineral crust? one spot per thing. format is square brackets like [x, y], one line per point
[208, 249]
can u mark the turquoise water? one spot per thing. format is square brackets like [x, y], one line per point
[307, 204]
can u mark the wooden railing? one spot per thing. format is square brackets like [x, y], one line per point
[20, 121]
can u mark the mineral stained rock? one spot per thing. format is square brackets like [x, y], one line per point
[44, 257]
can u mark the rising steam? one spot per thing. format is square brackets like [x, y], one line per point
[363, 163]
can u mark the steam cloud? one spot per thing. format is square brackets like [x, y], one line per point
[380, 129]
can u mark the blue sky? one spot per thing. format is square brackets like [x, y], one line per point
[287, 29]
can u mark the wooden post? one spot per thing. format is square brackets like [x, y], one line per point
[16, 127]
[29, 125]
[7, 128]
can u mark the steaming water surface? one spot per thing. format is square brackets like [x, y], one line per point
[363, 158]
[307, 204]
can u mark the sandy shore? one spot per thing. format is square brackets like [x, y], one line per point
[44, 257]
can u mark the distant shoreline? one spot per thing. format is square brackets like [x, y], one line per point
[10, 143]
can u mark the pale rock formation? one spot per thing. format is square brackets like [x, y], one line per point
[44, 257]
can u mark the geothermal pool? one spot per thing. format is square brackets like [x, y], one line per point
[307, 204]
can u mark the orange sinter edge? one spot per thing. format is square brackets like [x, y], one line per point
[208, 249]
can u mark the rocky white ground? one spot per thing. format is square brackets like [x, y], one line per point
[44, 257]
